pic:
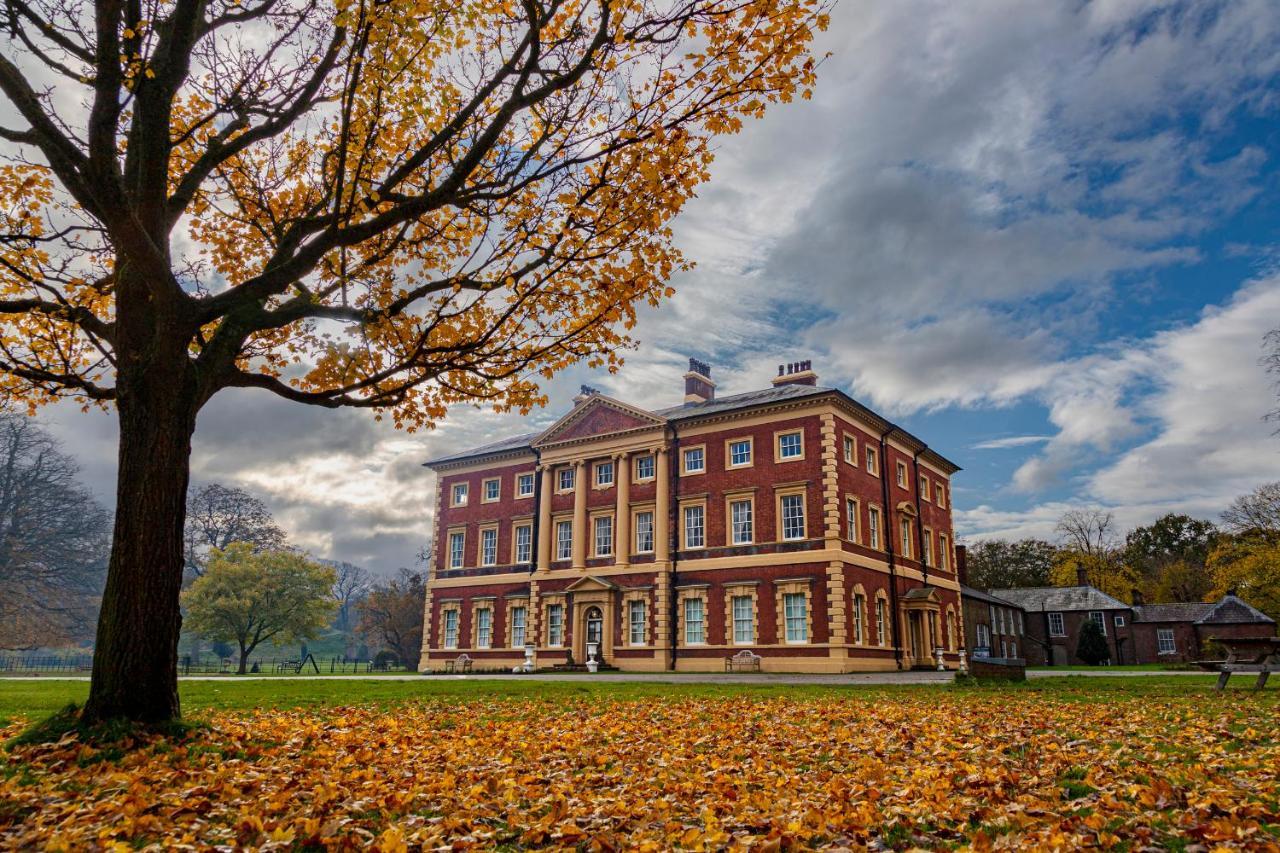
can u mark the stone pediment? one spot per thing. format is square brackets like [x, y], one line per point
[598, 415]
[590, 583]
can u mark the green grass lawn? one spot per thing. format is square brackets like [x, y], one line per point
[33, 700]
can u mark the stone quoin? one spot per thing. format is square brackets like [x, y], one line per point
[792, 521]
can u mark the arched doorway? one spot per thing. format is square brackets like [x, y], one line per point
[594, 619]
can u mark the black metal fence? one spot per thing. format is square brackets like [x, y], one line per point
[46, 663]
[188, 665]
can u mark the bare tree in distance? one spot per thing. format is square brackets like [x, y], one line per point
[1090, 531]
[54, 539]
[1271, 361]
[218, 515]
[1256, 512]
[349, 589]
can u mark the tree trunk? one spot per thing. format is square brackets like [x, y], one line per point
[244, 660]
[135, 660]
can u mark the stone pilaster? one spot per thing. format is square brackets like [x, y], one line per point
[622, 515]
[580, 532]
[544, 518]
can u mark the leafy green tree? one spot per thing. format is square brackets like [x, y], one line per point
[249, 597]
[999, 564]
[391, 616]
[1249, 566]
[1092, 645]
[1169, 556]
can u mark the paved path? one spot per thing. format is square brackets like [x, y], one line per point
[659, 677]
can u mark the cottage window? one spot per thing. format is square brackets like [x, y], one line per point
[524, 486]
[555, 625]
[793, 517]
[1119, 621]
[743, 620]
[984, 642]
[524, 543]
[484, 628]
[564, 540]
[1099, 619]
[1057, 627]
[695, 527]
[489, 546]
[695, 629]
[457, 543]
[636, 613]
[794, 612]
[519, 617]
[644, 532]
[604, 536]
[740, 522]
[451, 629]
[1165, 641]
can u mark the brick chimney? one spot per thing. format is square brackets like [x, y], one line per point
[796, 373]
[698, 387]
[1082, 576]
[1136, 595]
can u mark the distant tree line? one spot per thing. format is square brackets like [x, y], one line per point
[1175, 558]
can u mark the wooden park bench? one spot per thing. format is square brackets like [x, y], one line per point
[1246, 654]
[744, 661]
[462, 663]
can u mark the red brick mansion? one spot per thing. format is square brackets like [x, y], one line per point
[793, 522]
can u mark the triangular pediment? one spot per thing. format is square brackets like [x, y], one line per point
[921, 595]
[598, 416]
[590, 583]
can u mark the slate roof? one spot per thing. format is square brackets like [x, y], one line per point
[1192, 611]
[986, 597]
[720, 405]
[1041, 599]
[1232, 610]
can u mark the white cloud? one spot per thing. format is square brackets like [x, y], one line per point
[1011, 441]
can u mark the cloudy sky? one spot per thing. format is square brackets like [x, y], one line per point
[1043, 236]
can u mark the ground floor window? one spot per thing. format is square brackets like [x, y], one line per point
[519, 616]
[555, 625]
[1056, 626]
[743, 620]
[797, 623]
[882, 618]
[635, 621]
[695, 628]
[1164, 639]
[984, 642]
[859, 605]
[451, 629]
[484, 628]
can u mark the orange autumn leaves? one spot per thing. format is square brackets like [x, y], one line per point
[922, 770]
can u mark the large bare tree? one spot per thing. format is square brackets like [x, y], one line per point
[218, 515]
[53, 540]
[388, 205]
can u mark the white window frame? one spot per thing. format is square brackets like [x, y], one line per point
[983, 640]
[459, 494]
[793, 527]
[882, 616]
[741, 530]
[1060, 629]
[518, 616]
[1163, 634]
[450, 628]
[873, 461]
[853, 520]
[732, 448]
[602, 523]
[1100, 618]
[795, 626]
[850, 449]
[698, 454]
[649, 461]
[798, 448]
[564, 545]
[695, 535]
[488, 546]
[555, 625]
[875, 527]
[692, 638]
[484, 627]
[457, 549]
[637, 629]
[566, 479]
[744, 621]
[644, 531]
[859, 625]
[524, 550]
[901, 469]
[521, 480]
[905, 537]
[1118, 621]
[602, 469]
[496, 482]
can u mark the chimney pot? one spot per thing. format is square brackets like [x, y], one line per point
[1082, 577]
[1136, 595]
[796, 373]
[698, 387]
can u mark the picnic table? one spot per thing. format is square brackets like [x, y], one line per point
[1246, 654]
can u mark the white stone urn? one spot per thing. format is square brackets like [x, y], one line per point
[529, 649]
[964, 664]
[593, 664]
[937, 656]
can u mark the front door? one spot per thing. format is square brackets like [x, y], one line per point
[917, 631]
[594, 620]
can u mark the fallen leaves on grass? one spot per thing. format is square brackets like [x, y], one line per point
[926, 770]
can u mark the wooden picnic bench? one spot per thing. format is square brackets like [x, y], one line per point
[744, 661]
[1246, 654]
[462, 663]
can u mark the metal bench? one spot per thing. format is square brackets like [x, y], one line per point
[462, 663]
[1246, 654]
[744, 661]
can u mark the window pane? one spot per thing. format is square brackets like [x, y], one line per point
[644, 467]
[644, 532]
[484, 628]
[635, 618]
[741, 522]
[524, 543]
[604, 474]
[451, 629]
[488, 547]
[739, 452]
[694, 629]
[564, 540]
[694, 460]
[456, 543]
[873, 527]
[793, 517]
[859, 604]
[850, 451]
[794, 613]
[604, 536]
[851, 519]
[526, 485]
[518, 619]
[694, 533]
[743, 619]
[555, 625]
[880, 620]
[789, 445]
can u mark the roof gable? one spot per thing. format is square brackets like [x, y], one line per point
[598, 415]
[1232, 610]
[1046, 598]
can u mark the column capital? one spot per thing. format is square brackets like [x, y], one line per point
[580, 463]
